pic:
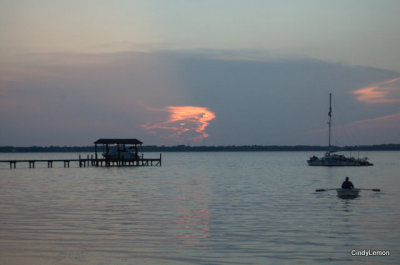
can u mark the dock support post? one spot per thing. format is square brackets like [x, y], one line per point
[95, 156]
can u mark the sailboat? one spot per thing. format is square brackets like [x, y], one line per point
[330, 159]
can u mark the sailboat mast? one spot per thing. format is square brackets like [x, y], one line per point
[329, 123]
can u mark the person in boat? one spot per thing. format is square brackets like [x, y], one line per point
[347, 184]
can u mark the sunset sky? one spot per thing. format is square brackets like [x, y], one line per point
[199, 72]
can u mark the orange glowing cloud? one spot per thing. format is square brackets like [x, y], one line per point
[184, 122]
[382, 92]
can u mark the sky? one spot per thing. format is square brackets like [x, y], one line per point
[199, 72]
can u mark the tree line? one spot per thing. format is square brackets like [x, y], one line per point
[187, 148]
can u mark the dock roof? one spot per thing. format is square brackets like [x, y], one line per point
[117, 141]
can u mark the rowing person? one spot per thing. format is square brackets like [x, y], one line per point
[347, 184]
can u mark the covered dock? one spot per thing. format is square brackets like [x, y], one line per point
[113, 153]
[121, 152]
[124, 149]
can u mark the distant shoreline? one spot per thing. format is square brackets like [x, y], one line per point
[186, 148]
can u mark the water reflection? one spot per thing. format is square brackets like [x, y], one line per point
[192, 216]
[347, 205]
[261, 209]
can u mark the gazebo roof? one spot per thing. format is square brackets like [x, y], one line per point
[117, 141]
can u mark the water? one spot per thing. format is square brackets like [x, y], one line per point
[199, 208]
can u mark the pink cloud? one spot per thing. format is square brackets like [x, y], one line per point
[183, 122]
[382, 92]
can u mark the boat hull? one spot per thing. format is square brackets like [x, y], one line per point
[347, 193]
[334, 160]
[335, 163]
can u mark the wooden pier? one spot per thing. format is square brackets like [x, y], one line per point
[116, 153]
[86, 162]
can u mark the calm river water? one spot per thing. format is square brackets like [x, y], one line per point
[199, 208]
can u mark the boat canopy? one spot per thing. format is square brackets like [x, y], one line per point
[118, 141]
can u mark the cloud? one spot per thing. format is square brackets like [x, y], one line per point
[73, 99]
[375, 129]
[394, 116]
[381, 92]
[183, 123]
[391, 118]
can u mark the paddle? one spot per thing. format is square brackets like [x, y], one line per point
[319, 190]
[372, 189]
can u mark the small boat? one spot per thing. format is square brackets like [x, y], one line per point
[347, 193]
[119, 149]
[330, 159]
[121, 154]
